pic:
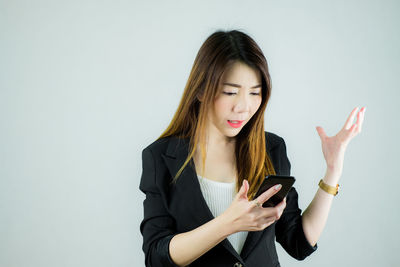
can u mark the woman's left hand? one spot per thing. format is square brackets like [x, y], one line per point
[334, 147]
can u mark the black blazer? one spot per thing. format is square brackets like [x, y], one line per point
[172, 209]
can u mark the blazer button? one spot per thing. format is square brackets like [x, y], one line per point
[238, 264]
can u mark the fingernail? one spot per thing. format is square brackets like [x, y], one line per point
[277, 187]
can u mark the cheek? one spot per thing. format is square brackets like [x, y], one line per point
[256, 104]
[221, 107]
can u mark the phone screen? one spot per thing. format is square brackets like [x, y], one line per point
[271, 180]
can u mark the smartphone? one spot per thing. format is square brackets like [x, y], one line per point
[271, 180]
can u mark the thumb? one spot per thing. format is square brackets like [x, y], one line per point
[244, 189]
[321, 132]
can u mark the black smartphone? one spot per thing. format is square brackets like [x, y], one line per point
[271, 180]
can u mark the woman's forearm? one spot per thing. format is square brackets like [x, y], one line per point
[315, 216]
[186, 247]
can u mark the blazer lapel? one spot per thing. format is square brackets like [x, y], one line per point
[251, 240]
[189, 187]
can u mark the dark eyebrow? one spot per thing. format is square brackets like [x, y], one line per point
[238, 86]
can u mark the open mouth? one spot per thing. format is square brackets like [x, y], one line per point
[235, 124]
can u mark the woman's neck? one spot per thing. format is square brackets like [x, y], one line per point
[215, 139]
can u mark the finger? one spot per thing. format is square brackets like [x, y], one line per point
[269, 193]
[349, 134]
[321, 132]
[360, 119]
[273, 213]
[276, 211]
[281, 207]
[350, 119]
[243, 189]
[357, 129]
[282, 203]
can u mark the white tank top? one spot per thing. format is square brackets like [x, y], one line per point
[219, 197]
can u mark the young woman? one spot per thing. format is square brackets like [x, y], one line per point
[200, 176]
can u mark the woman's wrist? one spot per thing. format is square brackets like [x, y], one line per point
[227, 226]
[206, 237]
[332, 176]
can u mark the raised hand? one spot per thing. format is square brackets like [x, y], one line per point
[334, 147]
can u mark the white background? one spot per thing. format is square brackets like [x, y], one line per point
[86, 85]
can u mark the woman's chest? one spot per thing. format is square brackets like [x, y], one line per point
[217, 167]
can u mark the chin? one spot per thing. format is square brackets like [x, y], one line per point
[233, 133]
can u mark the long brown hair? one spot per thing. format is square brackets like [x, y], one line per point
[217, 53]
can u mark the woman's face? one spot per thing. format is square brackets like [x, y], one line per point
[238, 98]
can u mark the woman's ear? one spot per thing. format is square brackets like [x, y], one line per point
[200, 96]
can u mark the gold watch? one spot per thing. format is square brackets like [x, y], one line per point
[329, 189]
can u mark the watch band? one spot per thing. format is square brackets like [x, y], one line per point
[329, 189]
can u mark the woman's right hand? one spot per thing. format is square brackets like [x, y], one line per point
[245, 215]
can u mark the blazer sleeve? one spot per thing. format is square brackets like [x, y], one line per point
[157, 226]
[289, 228]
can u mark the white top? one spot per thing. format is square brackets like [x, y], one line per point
[219, 197]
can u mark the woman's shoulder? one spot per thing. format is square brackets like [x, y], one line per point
[158, 145]
[277, 150]
[272, 139]
[166, 144]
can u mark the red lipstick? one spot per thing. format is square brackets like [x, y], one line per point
[235, 124]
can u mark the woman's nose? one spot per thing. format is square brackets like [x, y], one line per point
[242, 104]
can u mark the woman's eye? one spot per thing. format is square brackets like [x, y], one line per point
[255, 93]
[229, 93]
